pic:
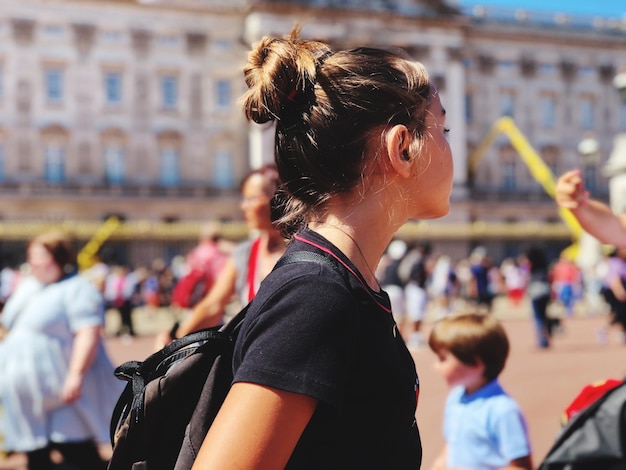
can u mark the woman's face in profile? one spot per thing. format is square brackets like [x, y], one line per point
[42, 265]
[433, 184]
[255, 203]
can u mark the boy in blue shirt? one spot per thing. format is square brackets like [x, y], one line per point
[483, 427]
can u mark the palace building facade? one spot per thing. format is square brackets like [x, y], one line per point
[130, 108]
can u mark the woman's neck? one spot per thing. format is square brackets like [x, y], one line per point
[362, 249]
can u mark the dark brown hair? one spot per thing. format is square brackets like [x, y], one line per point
[328, 106]
[471, 336]
[60, 246]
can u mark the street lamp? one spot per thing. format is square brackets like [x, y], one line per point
[588, 246]
[619, 82]
[589, 150]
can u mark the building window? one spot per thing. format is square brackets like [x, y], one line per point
[223, 177]
[169, 91]
[509, 182]
[547, 69]
[223, 44]
[223, 98]
[507, 66]
[586, 113]
[507, 104]
[587, 71]
[114, 165]
[547, 111]
[53, 30]
[55, 164]
[170, 168]
[113, 88]
[468, 107]
[168, 40]
[111, 36]
[54, 84]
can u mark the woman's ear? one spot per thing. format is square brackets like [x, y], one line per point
[398, 142]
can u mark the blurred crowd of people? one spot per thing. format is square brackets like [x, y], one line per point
[417, 280]
[420, 280]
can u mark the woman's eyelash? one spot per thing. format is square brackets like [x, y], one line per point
[446, 130]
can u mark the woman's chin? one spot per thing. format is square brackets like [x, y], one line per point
[433, 213]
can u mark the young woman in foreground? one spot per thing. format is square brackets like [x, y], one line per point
[323, 378]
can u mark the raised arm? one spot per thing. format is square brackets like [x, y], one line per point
[595, 217]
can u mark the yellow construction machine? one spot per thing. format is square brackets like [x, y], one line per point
[537, 167]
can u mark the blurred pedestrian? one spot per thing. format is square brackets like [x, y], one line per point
[57, 387]
[614, 292]
[540, 292]
[249, 263]
[390, 279]
[119, 293]
[484, 428]
[414, 269]
[514, 280]
[203, 266]
[566, 283]
[482, 274]
[441, 284]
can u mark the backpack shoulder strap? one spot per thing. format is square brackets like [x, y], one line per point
[234, 324]
[304, 256]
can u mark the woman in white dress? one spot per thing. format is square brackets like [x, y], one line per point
[57, 387]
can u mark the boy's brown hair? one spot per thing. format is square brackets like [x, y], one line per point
[470, 336]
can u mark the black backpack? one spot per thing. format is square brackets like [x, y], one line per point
[171, 398]
[595, 438]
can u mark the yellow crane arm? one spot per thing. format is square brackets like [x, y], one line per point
[537, 167]
[87, 255]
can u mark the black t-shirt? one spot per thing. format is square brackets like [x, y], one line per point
[322, 332]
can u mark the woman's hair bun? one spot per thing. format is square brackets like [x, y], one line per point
[279, 73]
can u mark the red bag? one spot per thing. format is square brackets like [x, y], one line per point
[191, 288]
[587, 396]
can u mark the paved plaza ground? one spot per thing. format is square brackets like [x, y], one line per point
[543, 381]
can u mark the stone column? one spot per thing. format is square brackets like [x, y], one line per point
[455, 121]
[142, 145]
[615, 168]
[27, 67]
